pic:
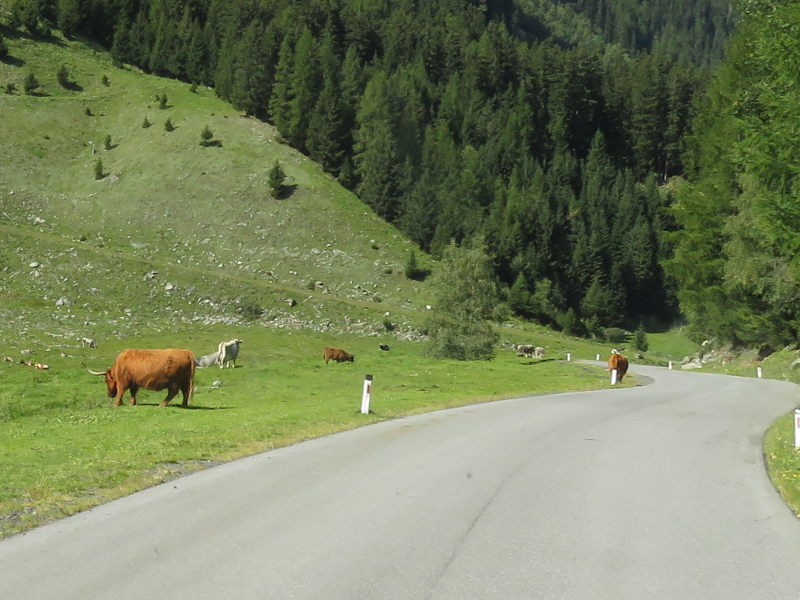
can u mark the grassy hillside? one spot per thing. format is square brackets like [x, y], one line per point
[200, 216]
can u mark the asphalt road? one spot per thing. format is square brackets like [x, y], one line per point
[657, 491]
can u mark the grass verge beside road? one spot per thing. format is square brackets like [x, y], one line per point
[783, 461]
[64, 447]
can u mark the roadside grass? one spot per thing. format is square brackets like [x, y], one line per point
[783, 461]
[66, 448]
[673, 344]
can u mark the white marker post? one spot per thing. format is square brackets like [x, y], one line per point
[597, 357]
[758, 372]
[365, 396]
[569, 357]
[670, 365]
[797, 427]
[613, 377]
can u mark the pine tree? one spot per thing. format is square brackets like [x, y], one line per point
[31, 84]
[377, 160]
[460, 328]
[304, 83]
[282, 94]
[62, 76]
[206, 136]
[276, 178]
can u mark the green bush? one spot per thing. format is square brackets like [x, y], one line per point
[31, 84]
[615, 335]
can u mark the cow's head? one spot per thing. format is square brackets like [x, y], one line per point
[111, 381]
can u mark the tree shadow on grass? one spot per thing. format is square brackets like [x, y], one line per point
[72, 86]
[12, 60]
[285, 192]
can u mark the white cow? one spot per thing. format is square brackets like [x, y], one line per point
[538, 352]
[228, 351]
[88, 342]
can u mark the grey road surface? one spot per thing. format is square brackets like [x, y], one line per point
[657, 491]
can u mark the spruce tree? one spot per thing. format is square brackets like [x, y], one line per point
[276, 178]
[31, 84]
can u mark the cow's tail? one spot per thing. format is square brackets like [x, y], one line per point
[190, 390]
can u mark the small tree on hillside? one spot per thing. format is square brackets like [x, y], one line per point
[276, 178]
[466, 299]
[63, 76]
[146, 123]
[205, 136]
[168, 126]
[640, 339]
[98, 170]
[3, 46]
[162, 102]
[31, 84]
[107, 142]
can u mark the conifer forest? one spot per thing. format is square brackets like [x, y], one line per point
[625, 162]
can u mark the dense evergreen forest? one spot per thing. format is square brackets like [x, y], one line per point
[549, 128]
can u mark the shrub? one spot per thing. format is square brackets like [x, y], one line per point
[615, 335]
[3, 46]
[413, 271]
[10, 87]
[168, 126]
[146, 123]
[105, 81]
[162, 102]
[205, 136]
[107, 142]
[63, 76]
[388, 325]
[276, 178]
[31, 84]
[98, 169]
[88, 112]
[640, 339]
[249, 310]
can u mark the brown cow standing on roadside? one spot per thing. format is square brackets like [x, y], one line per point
[619, 362]
[171, 369]
[337, 355]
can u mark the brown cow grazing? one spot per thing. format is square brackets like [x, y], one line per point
[171, 369]
[619, 362]
[337, 355]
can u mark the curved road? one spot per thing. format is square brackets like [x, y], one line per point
[657, 491]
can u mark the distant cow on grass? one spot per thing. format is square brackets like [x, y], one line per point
[337, 355]
[619, 362]
[525, 350]
[171, 369]
[208, 360]
[89, 342]
[228, 351]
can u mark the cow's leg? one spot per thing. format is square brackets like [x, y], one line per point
[134, 390]
[118, 398]
[187, 391]
[173, 391]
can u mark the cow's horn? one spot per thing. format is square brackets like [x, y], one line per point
[96, 372]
